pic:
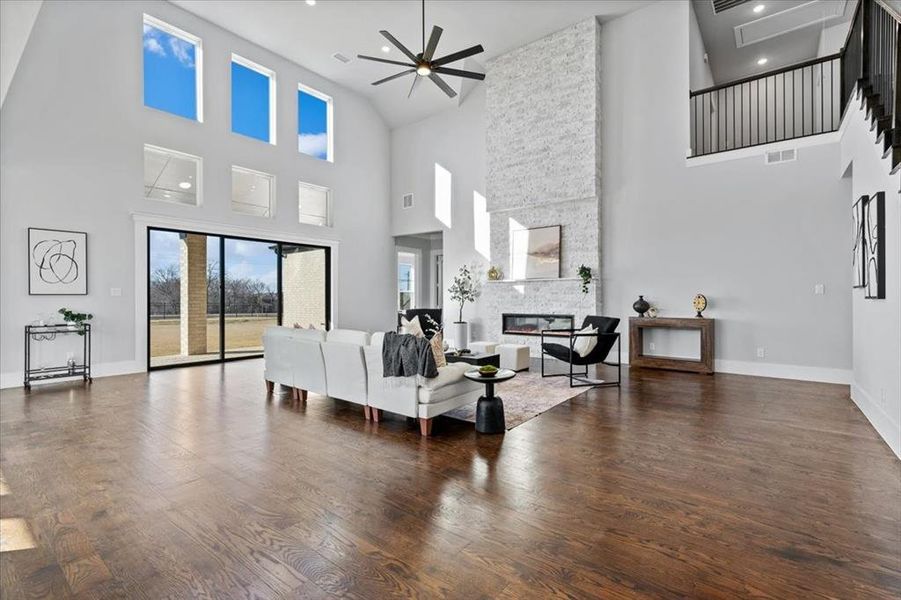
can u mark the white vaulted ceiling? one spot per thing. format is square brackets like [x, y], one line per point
[310, 35]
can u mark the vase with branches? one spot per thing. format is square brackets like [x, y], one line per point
[465, 288]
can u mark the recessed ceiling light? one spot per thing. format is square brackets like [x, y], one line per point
[386, 48]
[761, 61]
[759, 8]
[311, 2]
[184, 185]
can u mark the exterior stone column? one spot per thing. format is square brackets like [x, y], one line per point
[192, 265]
[303, 287]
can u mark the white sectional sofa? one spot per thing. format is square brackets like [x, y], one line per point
[346, 364]
[417, 397]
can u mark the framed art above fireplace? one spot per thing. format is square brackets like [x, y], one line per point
[535, 253]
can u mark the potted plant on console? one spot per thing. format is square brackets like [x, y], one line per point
[464, 289]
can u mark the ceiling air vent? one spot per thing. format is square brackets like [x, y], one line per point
[790, 19]
[340, 57]
[777, 156]
[721, 5]
[407, 201]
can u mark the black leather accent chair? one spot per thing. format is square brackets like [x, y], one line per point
[435, 313]
[607, 338]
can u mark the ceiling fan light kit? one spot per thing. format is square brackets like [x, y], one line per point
[423, 65]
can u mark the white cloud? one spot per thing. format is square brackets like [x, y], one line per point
[314, 144]
[151, 44]
[182, 51]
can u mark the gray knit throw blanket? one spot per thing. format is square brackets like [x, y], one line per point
[405, 355]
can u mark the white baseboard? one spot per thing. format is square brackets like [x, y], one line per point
[14, 379]
[878, 418]
[780, 371]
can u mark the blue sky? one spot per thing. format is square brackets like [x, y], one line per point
[243, 259]
[312, 125]
[169, 73]
[250, 102]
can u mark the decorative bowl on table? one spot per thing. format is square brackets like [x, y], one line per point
[488, 370]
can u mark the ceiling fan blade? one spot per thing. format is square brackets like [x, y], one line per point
[433, 43]
[459, 73]
[384, 60]
[399, 46]
[413, 87]
[395, 76]
[443, 85]
[458, 55]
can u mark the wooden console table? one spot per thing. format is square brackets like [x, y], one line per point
[637, 325]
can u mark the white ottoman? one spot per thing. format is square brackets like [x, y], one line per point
[514, 356]
[483, 347]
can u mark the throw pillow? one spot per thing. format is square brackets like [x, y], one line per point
[412, 327]
[584, 344]
[437, 345]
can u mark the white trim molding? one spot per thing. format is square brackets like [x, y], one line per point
[782, 371]
[888, 429]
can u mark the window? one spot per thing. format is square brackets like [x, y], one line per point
[252, 192]
[211, 297]
[253, 100]
[406, 280]
[314, 124]
[314, 204]
[171, 176]
[172, 70]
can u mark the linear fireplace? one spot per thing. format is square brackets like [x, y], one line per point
[532, 324]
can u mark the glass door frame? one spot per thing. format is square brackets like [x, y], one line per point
[279, 291]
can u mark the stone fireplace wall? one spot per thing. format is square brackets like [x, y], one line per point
[543, 152]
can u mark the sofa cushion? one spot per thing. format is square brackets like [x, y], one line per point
[348, 336]
[317, 335]
[377, 338]
[463, 386]
[450, 374]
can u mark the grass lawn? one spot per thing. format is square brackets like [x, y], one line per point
[240, 333]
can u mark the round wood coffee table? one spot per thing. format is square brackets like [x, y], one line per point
[490, 409]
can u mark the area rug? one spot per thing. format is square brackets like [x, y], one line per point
[525, 397]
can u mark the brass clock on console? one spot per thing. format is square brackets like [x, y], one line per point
[699, 302]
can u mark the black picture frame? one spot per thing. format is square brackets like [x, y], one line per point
[858, 251]
[40, 267]
[874, 246]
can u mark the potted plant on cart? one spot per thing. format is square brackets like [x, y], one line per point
[75, 319]
[464, 289]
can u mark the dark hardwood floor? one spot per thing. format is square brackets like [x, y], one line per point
[189, 483]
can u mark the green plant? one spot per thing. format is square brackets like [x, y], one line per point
[585, 275]
[464, 289]
[76, 318]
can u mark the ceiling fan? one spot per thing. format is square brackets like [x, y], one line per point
[424, 65]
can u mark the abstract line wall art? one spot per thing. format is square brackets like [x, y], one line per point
[858, 252]
[874, 245]
[57, 262]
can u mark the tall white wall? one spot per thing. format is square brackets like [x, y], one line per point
[71, 157]
[456, 140]
[876, 323]
[755, 239]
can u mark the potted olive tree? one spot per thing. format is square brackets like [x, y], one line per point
[464, 289]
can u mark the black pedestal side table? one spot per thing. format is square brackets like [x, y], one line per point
[490, 409]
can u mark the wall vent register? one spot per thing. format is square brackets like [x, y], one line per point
[407, 201]
[782, 156]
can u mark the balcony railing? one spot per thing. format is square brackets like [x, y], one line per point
[798, 101]
[807, 98]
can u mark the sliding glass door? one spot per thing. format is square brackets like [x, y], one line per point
[210, 298]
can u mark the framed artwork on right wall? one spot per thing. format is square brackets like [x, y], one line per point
[874, 245]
